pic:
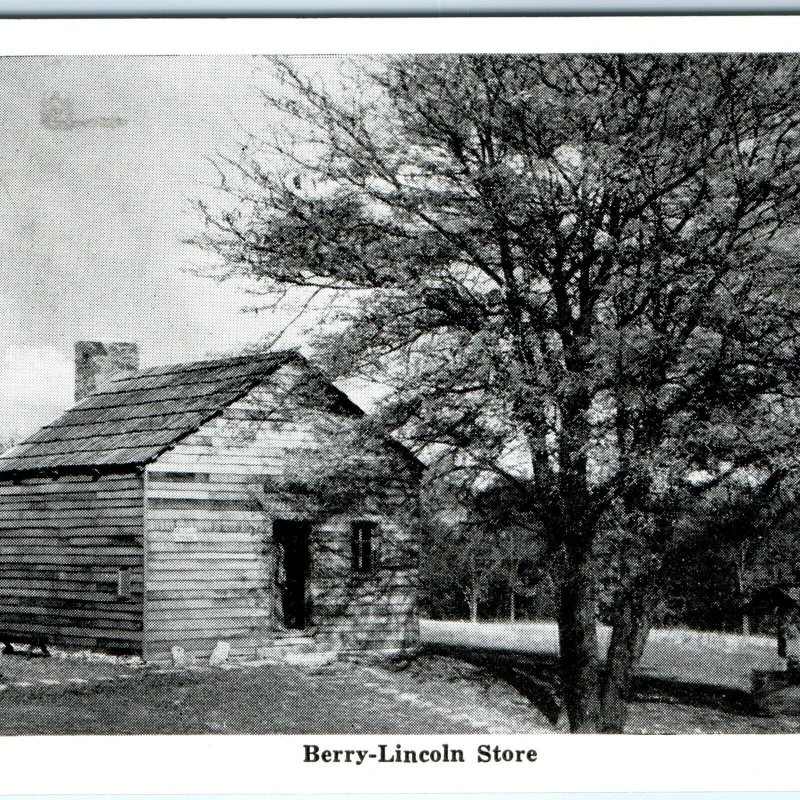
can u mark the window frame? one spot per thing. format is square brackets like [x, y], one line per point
[359, 565]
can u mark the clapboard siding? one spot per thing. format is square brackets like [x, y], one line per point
[366, 612]
[216, 587]
[220, 585]
[62, 542]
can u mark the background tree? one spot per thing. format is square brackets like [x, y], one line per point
[577, 264]
[740, 540]
[478, 548]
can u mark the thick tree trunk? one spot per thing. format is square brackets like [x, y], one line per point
[577, 612]
[577, 629]
[632, 620]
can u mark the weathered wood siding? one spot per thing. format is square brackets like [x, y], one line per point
[64, 541]
[209, 555]
[374, 611]
[205, 560]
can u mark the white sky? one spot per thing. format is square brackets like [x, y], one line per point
[94, 207]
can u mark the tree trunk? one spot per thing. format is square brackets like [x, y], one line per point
[632, 619]
[512, 581]
[739, 571]
[577, 631]
[473, 591]
[577, 612]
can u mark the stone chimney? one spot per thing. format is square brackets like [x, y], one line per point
[96, 363]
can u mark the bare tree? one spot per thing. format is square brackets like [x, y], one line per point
[574, 271]
[477, 538]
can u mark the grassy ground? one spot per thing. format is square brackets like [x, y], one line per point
[434, 695]
[678, 655]
[275, 698]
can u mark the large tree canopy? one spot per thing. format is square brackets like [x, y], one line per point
[576, 272]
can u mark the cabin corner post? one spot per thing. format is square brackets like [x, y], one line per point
[145, 573]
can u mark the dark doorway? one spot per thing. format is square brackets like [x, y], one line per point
[291, 545]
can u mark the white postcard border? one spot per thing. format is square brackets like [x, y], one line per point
[274, 764]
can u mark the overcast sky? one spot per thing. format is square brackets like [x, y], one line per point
[100, 159]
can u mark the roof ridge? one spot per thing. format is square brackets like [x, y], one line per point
[188, 366]
[52, 448]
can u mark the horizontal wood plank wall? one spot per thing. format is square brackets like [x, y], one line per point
[63, 542]
[205, 561]
[209, 560]
[372, 611]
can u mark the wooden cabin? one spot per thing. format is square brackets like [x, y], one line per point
[172, 506]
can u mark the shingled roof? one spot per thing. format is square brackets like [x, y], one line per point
[134, 419]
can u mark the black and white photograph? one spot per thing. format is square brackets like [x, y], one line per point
[400, 394]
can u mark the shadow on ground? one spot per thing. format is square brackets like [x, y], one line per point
[536, 678]
[443, 692]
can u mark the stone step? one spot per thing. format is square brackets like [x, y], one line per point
[311, 660]
[270, 653]
[281, 647]
[293, 639]
[296, 643]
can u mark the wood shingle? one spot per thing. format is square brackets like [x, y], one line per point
[135, 418]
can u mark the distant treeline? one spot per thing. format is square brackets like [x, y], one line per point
[474, 569]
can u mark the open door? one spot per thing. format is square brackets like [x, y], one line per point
[291, 539]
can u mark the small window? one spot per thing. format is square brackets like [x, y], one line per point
[124, 583]
[363, 546]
